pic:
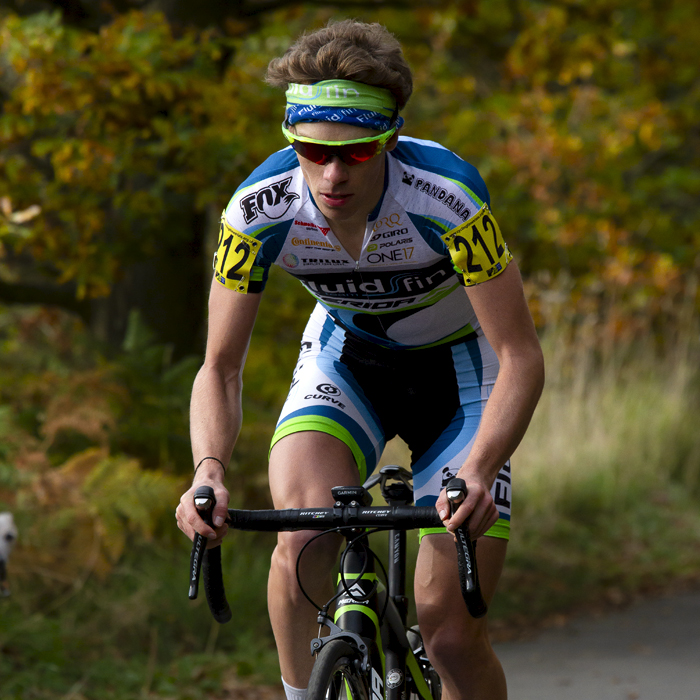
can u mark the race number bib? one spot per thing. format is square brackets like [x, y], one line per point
[234, 257]
[477, 248]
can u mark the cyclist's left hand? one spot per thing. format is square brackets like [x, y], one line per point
[478, 507]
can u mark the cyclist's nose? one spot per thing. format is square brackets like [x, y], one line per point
[335, 170]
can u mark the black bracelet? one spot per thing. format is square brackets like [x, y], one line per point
[216, 459]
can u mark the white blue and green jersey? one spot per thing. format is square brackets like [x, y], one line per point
[405, 289]
[393, 346]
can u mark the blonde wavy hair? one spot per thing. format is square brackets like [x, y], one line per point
[345, 50]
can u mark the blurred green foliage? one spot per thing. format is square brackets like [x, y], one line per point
[115, 144]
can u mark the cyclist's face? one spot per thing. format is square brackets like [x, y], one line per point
[341, 191]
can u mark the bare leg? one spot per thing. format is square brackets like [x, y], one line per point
[456, 643]
[303, 469]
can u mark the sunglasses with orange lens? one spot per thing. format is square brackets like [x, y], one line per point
[350, 152]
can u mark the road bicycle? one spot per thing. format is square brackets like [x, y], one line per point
[369, 652]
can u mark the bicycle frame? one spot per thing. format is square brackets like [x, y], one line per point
[377, 625]
[371, 619]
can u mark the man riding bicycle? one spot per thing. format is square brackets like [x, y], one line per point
[421, 330]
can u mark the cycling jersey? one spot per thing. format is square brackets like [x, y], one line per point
[430, 233]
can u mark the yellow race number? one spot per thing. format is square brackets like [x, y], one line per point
[234, 257]
[477, 248]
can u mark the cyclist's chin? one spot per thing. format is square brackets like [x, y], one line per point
[339, 212]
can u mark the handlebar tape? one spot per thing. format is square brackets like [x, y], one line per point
[214, 586]
[209, 560]
[466, 558]
[389, 517]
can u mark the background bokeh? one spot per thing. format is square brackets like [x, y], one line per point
[126, 126]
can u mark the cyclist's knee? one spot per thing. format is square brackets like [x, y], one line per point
[319, 555]
[451, 638]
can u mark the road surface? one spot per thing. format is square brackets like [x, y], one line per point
[649, 651]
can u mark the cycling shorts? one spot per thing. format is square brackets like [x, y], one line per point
[363, 394]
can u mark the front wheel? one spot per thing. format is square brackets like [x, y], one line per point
[336, 674]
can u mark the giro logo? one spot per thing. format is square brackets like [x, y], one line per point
[328, 389]
[389, 234]
[273, 201]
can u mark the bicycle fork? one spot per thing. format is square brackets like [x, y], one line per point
[361, 599]
[357, 613]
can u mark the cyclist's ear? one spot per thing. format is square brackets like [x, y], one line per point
[391, 143]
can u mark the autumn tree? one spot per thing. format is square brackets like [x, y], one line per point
[119, 149]
[122, 137]
[582, 118]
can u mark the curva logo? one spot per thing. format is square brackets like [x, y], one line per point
[329, 389]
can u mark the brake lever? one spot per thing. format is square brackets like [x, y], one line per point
[466, 555]
[204, 501]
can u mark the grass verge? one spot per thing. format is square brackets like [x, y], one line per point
[606, 495]
[606, 482]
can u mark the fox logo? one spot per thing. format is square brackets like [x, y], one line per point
[273, 201]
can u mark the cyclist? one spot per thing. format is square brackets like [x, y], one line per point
[421, 329]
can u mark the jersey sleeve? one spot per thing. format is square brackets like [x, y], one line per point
[255, 223]
[477, 248]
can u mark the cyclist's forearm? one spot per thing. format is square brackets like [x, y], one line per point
[215, 418]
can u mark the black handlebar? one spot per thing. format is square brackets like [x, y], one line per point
[466, 556]
[209, 559]
[381, 517]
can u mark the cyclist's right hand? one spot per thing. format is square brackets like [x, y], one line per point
[189, 520]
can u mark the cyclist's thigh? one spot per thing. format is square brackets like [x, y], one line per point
[304, 466]
[475, 369]
[326, 398]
